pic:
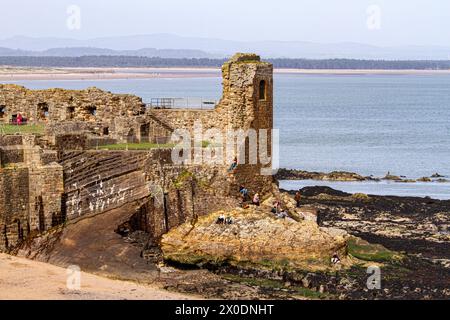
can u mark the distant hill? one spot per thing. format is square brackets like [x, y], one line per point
[139, 61]
[93, 51]
[13, 52]
[218, 48]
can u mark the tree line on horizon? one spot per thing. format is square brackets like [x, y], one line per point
[133, 61]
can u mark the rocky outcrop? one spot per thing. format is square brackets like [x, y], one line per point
[292, 174]
[409, 224]
[255, 239]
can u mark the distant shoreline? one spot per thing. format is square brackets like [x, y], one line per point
[28, 73]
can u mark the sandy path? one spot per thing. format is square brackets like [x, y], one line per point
[32, 280]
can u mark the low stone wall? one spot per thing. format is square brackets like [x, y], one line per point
[71, 141]
[11, 154]
[10, 140]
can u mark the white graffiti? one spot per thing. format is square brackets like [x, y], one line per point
[99, 197]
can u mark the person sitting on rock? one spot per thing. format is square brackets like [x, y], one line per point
[297, 198]
[283, 214]
[234, 165]
[276, 207]
[244, 193]
[256, 200]
[335, 259]
[228, 220]
[220, 219]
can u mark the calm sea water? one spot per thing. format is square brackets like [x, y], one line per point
[369, 124]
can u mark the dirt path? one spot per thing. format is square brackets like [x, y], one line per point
[32, 280]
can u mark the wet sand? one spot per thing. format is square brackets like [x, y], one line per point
[23, 73]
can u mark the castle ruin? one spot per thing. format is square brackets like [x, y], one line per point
[61, 175]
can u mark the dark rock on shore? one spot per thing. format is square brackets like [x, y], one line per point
[416, 227]
[437, 175]
[292, 174]
[409, 224]
[315, 191]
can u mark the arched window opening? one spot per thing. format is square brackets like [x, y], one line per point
[145, 132]
[92, 110]
[43, 111]
[2, 111]
[70, 112]
[262, 90]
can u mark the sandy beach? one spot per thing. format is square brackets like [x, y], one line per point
[22, 279]
[22, 73]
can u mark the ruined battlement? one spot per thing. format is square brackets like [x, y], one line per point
[65, 105]
[247, 102]
[60, 177]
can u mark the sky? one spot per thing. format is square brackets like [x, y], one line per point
[377, 22]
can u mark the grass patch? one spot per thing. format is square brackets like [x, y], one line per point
[361, 196]
[23, 129]
[143, 146]
[182, 178]
[363, 250]
[135, 146]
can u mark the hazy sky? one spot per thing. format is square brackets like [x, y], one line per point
[417, 22]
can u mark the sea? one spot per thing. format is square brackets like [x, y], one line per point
[370, 124]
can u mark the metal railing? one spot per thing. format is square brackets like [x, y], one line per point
[181, 103]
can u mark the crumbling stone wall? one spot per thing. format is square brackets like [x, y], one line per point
[241, 106]
[14, 199]
[56, 105]
[247, 103]
[86, 182]
[31, 190]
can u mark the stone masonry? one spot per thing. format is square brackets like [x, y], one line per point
[46, 180]
[31, 190]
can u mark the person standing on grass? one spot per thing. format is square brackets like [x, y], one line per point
[19, 119]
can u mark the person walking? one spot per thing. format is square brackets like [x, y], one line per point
[297, 198]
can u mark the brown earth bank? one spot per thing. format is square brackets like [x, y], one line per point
[294, 174]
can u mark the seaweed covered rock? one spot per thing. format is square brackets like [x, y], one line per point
[255, 239]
